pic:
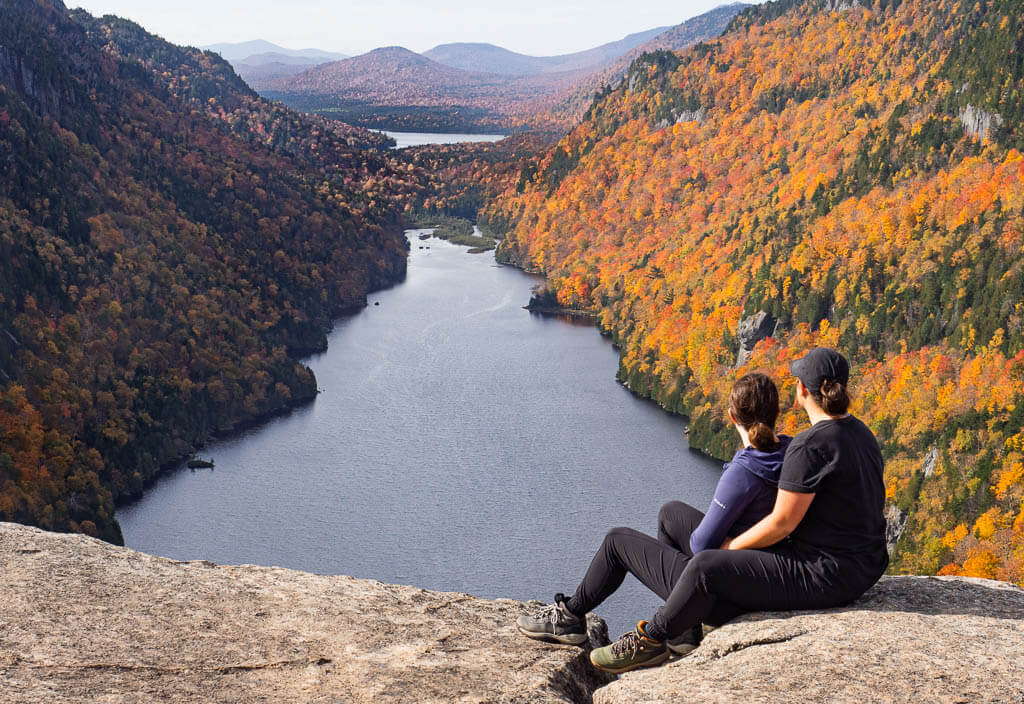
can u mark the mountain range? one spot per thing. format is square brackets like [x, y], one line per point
[260, 61]
[489, 58]
[259, 51]
[465, 87]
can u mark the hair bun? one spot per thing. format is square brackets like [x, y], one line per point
[762, 437]
[834, 398]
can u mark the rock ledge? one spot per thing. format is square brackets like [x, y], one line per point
[84, 621]
[909, 639]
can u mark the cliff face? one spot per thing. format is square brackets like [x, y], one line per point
[84, 621]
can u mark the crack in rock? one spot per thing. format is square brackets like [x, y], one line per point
[737, 646]
[222, 669]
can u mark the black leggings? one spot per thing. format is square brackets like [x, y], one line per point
[713, 586]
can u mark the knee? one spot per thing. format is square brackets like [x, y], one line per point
[701, 560]
[617, 534]
[668, 510]
[706, 562]
[616, 538]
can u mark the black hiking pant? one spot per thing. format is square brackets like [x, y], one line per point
[715, 586]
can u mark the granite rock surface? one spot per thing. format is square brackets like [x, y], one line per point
[909, 639]
[85, 621]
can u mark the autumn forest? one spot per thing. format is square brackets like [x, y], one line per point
[848, 174]
[856, 174]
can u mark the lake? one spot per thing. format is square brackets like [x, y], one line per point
[459, 443]
[414, 139]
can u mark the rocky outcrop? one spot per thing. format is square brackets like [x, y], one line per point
[751, 330]
[38, 90]
[84, 621]
[930, 462]
[840, 5]
[691, 116]
[895, 524]
[909, 639]
[978, 122]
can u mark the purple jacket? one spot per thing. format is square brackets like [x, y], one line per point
[745, 494]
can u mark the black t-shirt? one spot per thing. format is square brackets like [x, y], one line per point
[840, 462]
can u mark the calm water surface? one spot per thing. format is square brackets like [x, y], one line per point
[460, 443]
[413, 139]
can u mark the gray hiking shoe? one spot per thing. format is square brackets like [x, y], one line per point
[686, 642]
[554, 623]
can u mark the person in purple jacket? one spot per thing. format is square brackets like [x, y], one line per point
[745, 494]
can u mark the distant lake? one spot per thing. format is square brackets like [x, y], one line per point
[414, 139]
[460, 443]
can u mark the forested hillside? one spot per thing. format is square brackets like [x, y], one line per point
[568, 108]
[169, 242]
[854, 171]
[459, 179]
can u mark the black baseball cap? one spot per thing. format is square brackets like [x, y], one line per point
[821, 364]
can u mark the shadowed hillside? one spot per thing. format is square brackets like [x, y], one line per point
[169, 242]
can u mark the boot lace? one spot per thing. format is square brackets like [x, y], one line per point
[627, 645]
[551, 613]
[556, 613]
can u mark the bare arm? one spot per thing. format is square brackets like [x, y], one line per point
[790, 509]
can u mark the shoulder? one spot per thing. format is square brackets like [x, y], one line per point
[856, 425]
[736, 477]
[841, 433]
[733, 470]
[807, 459]
[806, 440]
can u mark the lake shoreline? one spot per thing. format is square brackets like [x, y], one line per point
[449, 420]
[584, 315]
[236, 430]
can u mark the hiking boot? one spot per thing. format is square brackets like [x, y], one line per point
[555, 624]
[631, 651]
[686, 642]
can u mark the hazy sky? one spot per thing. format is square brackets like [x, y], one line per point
[538, 27]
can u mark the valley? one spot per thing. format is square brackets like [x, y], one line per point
[174, 244]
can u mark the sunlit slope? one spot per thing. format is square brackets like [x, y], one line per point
[854, 172]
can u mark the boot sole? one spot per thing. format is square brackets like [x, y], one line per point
[653, 662]
[567, 639]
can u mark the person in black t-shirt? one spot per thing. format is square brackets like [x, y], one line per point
[823, 544]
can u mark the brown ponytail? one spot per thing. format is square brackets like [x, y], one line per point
[754, 402]
[761, 436]
[832, 397]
